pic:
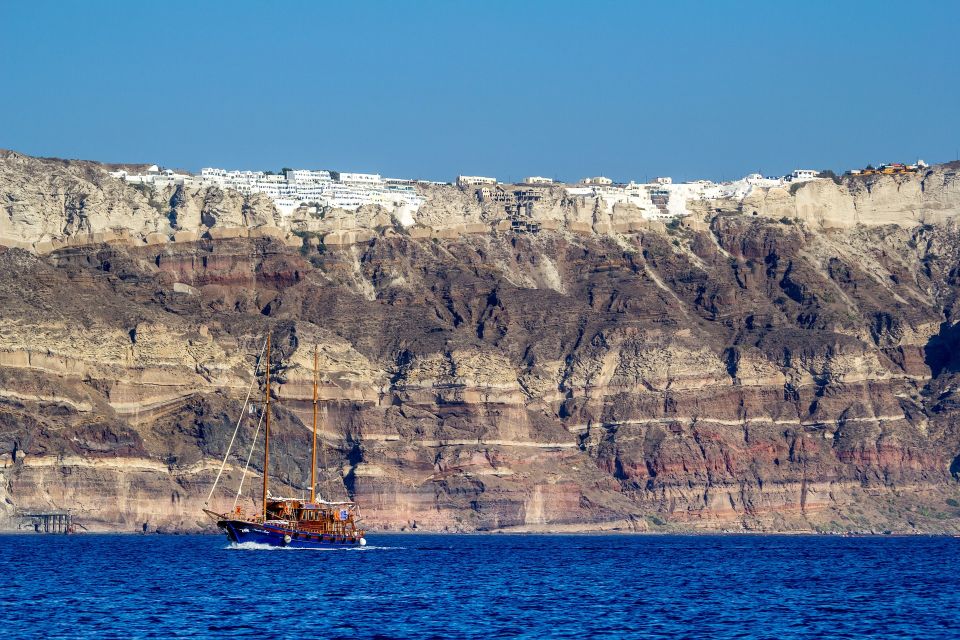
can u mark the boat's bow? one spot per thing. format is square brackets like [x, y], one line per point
[213, 515]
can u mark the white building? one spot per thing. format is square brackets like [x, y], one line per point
[364, 179]
[800, 175]
[598, 180]
[537, 180]
[757, 180]
[473, 181]
[305, 176]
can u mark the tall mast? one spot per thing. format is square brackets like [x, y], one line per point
[266, 440]
[313, 462]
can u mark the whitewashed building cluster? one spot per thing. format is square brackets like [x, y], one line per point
[664, 199]
[659, 199]
[299, 187]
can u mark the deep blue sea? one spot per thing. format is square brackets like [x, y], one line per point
[492, 586]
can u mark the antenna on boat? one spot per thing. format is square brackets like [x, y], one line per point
[313, 461]
[266, 437]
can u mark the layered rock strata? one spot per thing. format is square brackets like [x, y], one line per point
[768, 373]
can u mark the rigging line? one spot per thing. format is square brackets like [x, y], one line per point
[237, 428]
[256, 434]
[323, 445]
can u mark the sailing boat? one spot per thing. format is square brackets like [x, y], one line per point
[289, 522]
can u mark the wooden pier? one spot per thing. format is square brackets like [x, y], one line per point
[50, 522]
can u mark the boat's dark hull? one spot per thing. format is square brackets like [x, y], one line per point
[240, 532]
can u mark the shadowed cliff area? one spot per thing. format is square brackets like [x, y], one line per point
[943, 350]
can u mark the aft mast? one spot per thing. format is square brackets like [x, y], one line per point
[313, 462]
[266, 439]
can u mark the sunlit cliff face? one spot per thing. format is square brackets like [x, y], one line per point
[768, 372]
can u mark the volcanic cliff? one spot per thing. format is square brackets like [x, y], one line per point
[785, 363]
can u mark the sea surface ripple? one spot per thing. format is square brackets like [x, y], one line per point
[482, 586]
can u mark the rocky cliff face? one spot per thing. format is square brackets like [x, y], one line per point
[929, 197]
[736, 372]
[48, 204]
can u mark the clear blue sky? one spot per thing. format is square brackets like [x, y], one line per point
[561, 89]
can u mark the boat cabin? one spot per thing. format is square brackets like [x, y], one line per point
[335, 518]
